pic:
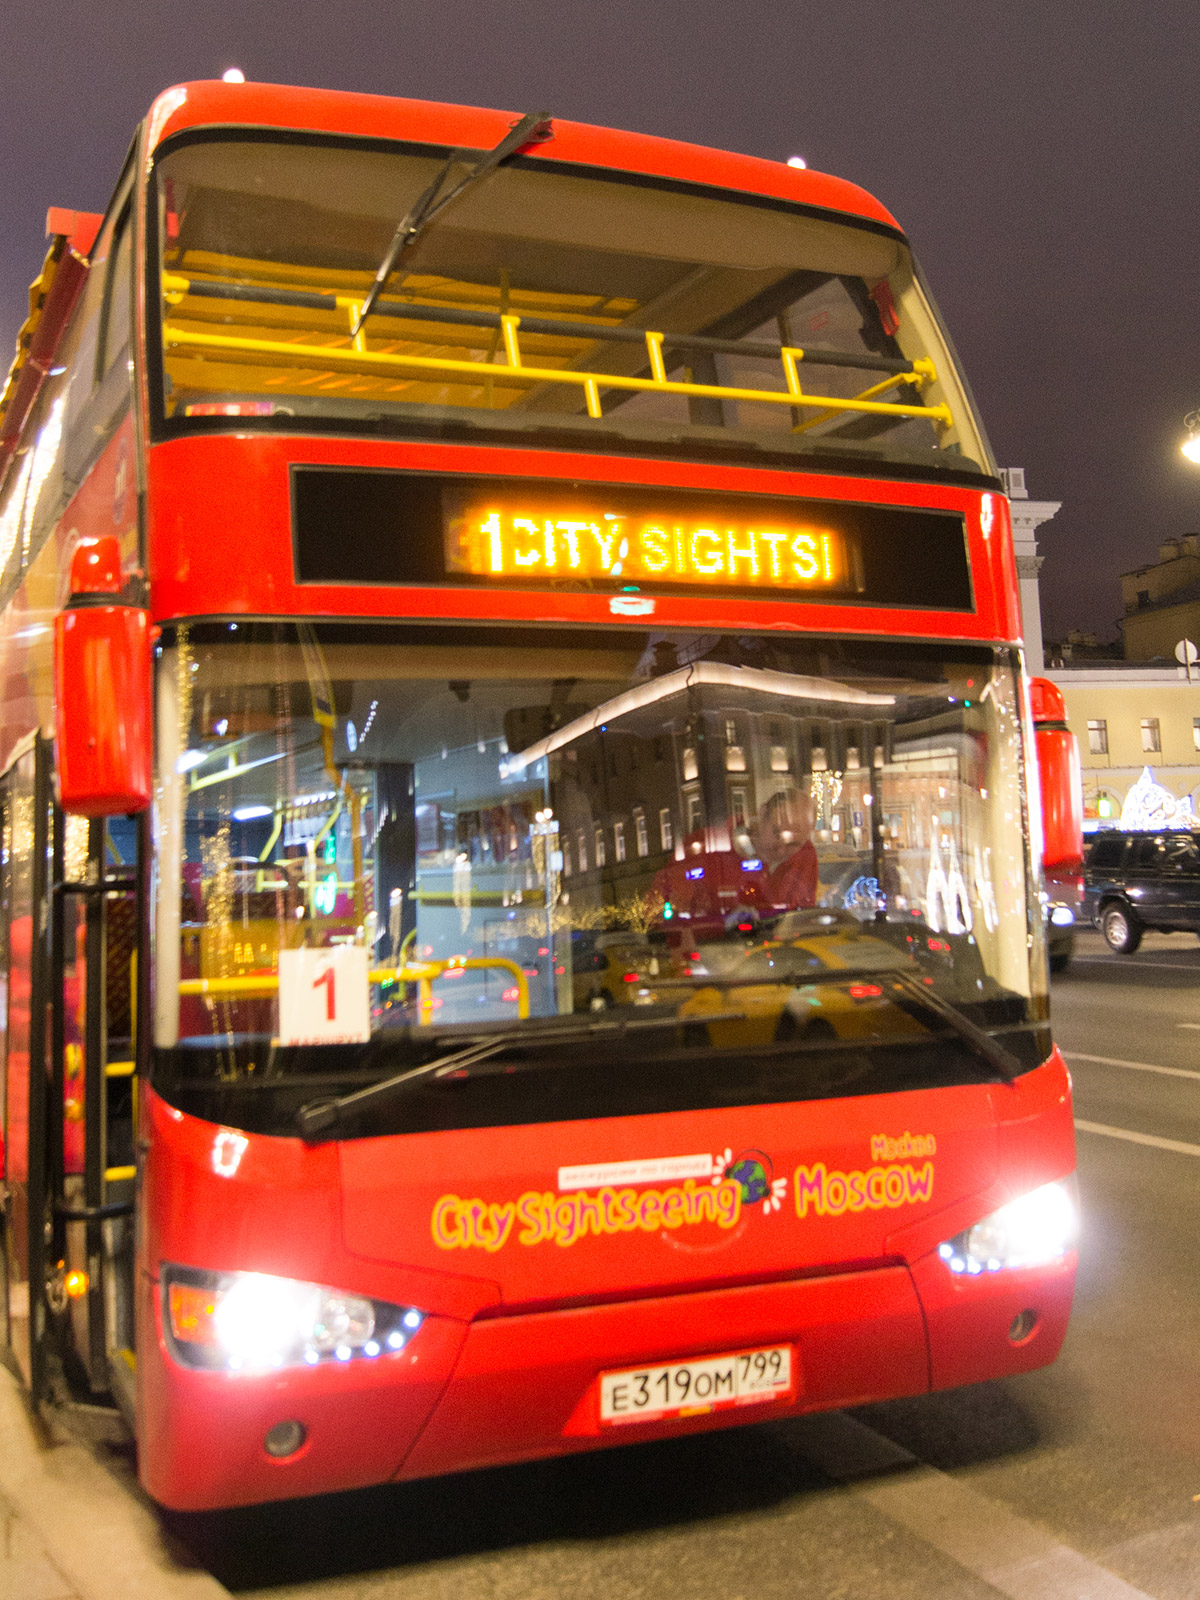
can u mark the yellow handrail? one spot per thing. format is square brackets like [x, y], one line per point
[258, 985]
[368, 361]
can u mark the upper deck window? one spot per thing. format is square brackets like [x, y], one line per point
[547, 302]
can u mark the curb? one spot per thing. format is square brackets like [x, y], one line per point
[105, 1540]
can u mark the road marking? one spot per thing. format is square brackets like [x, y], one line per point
[1176, 1145]
[1135, 1066]
[1132, 961]
[1018, 1558]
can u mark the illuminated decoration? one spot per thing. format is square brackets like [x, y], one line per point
[1149, 806]
[325, 894]
[864, 897]
[985, 890]
[826, 789]
[533, 541]
[947, 904]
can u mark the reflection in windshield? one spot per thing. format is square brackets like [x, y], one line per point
[694, 826]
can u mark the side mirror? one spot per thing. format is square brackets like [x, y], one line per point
[1059, 772]
[102, 677]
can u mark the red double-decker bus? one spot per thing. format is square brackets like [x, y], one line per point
[520, 881]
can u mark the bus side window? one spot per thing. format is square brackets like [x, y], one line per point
[102, 381]
[80, 353]
[117, 304]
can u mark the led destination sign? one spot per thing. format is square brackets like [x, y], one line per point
[386, 526]
[514, 538]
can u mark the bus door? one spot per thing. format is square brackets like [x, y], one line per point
[94, 963]
[24, 1096]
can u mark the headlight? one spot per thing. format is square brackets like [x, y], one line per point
[1062, 916]
[248, 1321]
[1033, 1231]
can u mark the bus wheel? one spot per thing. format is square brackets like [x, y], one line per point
[1121, 931]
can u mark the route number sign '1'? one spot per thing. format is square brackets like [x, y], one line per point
[323, 996]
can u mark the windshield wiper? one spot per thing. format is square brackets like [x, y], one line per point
[533, 128]
[320, 1117]
[996, 1055]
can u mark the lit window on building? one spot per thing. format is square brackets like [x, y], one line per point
[735, 758]
[601, 848]
[730, 731]
[779, 759]
[695, 813]
[581, 846]
[619, 840]
[690, 770]
[641, 831]
[1098, 736]
[1151, 736]
[566, 855]
[737, 807]
[666, 830]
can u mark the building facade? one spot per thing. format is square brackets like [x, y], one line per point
[1129, 716]
[1161, 601]
[1027, 517]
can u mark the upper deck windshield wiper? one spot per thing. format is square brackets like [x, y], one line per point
[321, 1117]
[532, 129]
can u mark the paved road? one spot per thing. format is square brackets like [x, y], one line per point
[1080, 1481]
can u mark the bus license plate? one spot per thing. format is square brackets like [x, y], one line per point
[687, 1388]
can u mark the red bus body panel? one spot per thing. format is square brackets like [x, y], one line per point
[219, 540]
[271, 105]
[532, 1287]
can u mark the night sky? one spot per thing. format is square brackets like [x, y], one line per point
[1041, 156]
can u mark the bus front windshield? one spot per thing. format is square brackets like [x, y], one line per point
[545, 301]
[654, 869]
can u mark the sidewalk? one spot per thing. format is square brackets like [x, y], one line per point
[71, 1529]
[26, 1571]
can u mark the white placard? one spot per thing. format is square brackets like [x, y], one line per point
[661, 1169]
[323, 996]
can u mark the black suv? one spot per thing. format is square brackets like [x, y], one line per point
[1135, 881]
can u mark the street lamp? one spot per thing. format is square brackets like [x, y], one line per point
[1191, 445]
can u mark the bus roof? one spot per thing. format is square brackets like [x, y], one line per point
[268, 105]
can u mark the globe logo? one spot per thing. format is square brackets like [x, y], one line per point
[752, 1170]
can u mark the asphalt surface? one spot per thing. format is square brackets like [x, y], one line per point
[1082, 1480]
